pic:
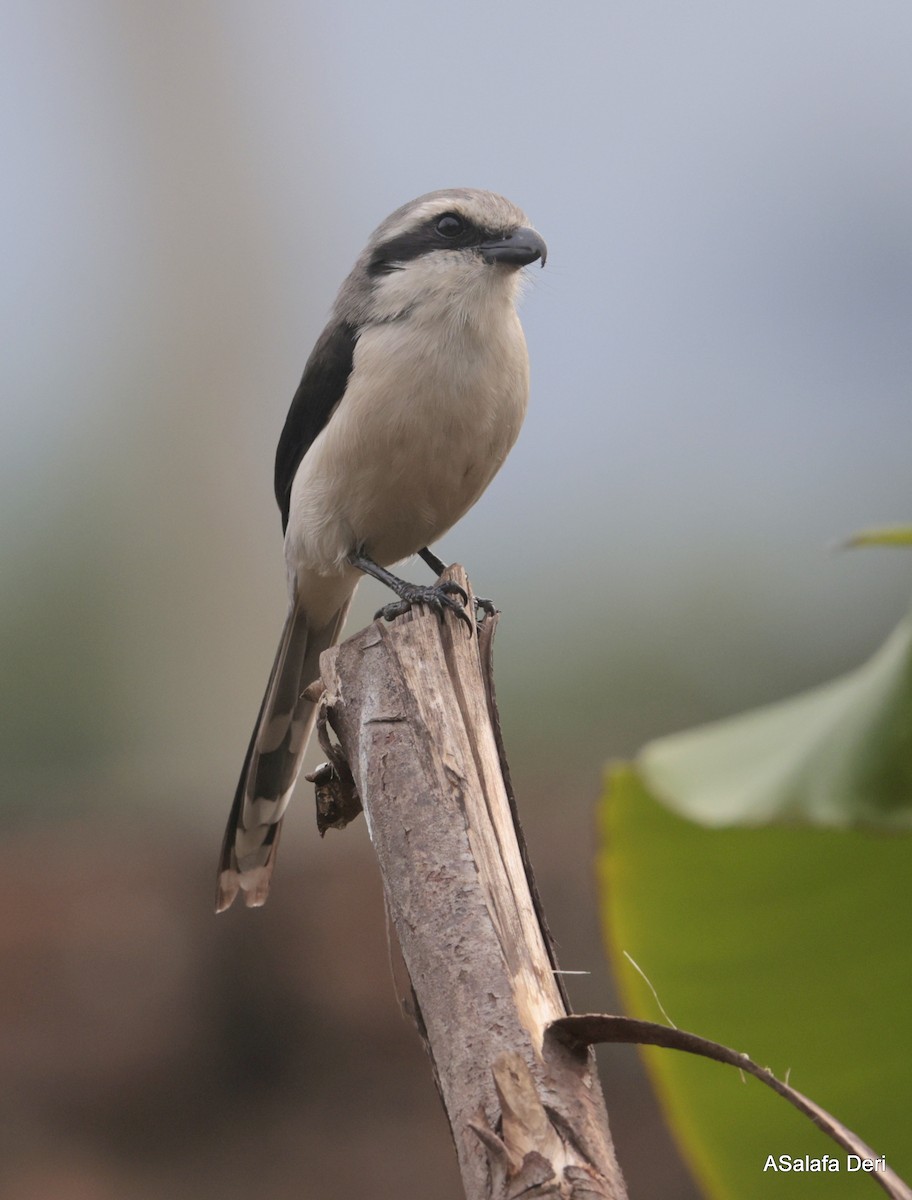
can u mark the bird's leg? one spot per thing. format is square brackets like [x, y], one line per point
[438, 597]
[438, 566]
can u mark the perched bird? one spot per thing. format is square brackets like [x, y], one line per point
[409, 403]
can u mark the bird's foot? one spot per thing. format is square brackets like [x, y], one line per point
[486, 607]
[439, 598]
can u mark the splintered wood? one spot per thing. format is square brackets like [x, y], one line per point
[411, 704]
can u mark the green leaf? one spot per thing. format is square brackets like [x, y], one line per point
[838, 755]
[788, 944]
[900, 535]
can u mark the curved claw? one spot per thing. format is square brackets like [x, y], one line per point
[488, 607]
[438, 598]
[453, 589]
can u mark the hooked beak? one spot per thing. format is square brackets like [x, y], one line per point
[517, 249]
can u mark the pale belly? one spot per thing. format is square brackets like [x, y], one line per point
[404, 458]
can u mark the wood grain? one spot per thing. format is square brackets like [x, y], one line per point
[412, 710]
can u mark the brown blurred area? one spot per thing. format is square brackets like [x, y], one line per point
[150, 1049]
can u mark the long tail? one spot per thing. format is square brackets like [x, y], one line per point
[273, 761]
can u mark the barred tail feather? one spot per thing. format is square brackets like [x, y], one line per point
[273, 761]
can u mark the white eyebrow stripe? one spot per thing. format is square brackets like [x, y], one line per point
[489, 212]
[418, 215]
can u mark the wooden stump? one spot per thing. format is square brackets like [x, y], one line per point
[412, 706]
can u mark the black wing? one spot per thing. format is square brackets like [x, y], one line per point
[320, 390]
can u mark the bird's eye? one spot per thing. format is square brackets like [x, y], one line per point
[450, 226]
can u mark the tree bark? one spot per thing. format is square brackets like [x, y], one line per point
[412, 706]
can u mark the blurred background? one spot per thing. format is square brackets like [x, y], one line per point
[721, 360]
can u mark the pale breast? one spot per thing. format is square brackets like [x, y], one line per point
[424, 426]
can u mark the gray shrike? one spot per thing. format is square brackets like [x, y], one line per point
[413, 396]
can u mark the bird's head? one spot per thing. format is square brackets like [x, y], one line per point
[455, 246]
